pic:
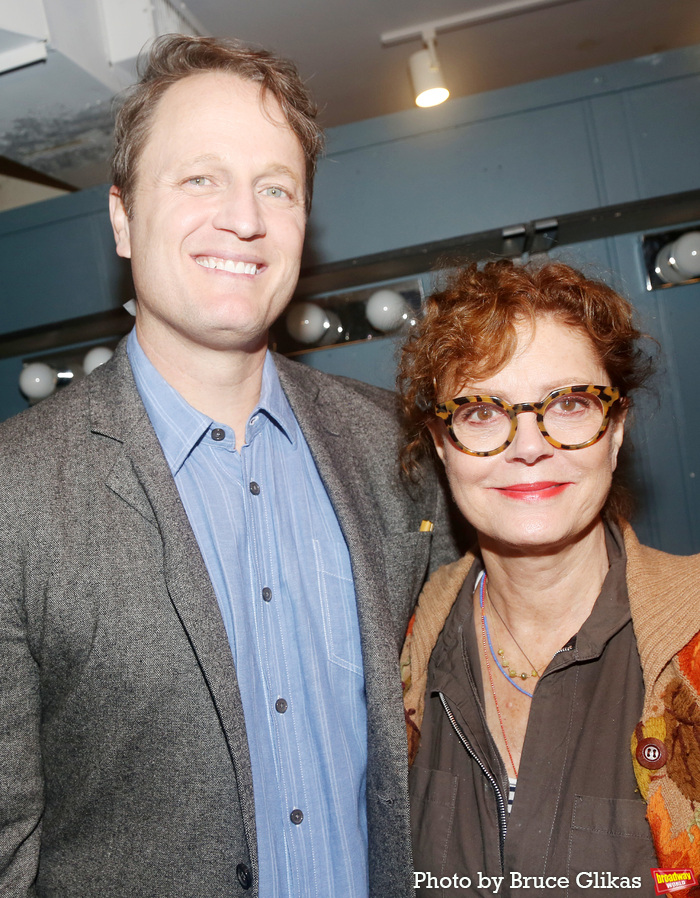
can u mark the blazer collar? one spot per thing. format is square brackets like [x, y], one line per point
[115, 407]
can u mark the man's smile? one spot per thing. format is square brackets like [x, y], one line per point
[231, 265]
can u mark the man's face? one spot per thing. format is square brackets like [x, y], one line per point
[218, 219]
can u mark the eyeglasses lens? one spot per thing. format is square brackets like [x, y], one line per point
[574, 418]
[571, 419]
[481, 426]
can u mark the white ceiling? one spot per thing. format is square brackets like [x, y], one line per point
[55, 115]
[336, 43]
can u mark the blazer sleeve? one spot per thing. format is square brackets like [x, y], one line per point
[21, 780]
[451, 535]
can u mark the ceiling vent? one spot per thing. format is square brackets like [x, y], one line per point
[131, 24]
[23, 34]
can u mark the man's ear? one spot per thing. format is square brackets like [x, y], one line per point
[120, 223]
[437, 432]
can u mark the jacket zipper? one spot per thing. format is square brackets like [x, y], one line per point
[500, 803]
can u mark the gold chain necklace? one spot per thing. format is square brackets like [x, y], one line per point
[505, 665]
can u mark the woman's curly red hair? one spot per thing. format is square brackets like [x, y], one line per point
[468, 332]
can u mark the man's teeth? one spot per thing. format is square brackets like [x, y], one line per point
[227, 265]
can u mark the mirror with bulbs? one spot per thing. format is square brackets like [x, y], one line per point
[319, 323]
[347, 317]
[672, 258]
[43, 375]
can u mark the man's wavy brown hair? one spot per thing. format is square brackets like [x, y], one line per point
[469, 332]
[173, 57]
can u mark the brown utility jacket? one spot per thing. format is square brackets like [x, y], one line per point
[577, 827]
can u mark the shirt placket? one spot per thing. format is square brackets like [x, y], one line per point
[275, 664]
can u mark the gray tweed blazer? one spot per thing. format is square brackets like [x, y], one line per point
[124, 767]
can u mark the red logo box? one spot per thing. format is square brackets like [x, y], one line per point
[666, 881]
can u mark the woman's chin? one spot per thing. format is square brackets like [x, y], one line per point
[536, 536]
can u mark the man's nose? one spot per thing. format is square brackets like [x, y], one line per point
[239, 210]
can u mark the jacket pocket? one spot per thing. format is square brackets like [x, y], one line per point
[341, 629]
[433, 796]
[609, 838]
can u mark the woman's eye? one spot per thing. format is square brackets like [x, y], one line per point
[198, 181]
[572, 404]
[479, 414]
[581, 406]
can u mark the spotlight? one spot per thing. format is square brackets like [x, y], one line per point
[426, 75]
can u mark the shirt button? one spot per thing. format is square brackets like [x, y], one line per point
[267, 594]
[281, 705]
[296, 816]
[651, 753]
[245, 877]
[218, 434]
[253, 421]
[254, 488]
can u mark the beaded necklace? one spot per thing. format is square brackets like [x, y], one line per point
[484, 640]
[490, 644]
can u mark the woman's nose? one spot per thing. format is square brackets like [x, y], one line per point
[529, 444]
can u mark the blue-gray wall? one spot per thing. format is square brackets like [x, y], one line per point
[57, 261]
[605, 136]
[596, 138]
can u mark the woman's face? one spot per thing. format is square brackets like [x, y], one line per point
[531, 496]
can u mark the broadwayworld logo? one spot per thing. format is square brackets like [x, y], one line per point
[672, 880]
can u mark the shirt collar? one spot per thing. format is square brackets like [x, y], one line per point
[180, 427]
[273, 401]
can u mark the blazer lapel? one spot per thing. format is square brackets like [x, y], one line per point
[327, 423]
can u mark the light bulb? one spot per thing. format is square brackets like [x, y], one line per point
[679, 261]
[307, 322]
[97, 356]
[432, 97]
[334, 331]
[37, 380]
[686, 253]
[386, 310]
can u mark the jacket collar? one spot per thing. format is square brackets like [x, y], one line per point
[337, 425]
[664, 592]
[434, 605]
[664, 598]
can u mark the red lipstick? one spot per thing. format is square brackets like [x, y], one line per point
[544, 489]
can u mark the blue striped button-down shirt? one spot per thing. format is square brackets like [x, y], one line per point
[281, 573]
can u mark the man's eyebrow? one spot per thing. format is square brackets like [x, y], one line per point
[204, 159]
[281, 170]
